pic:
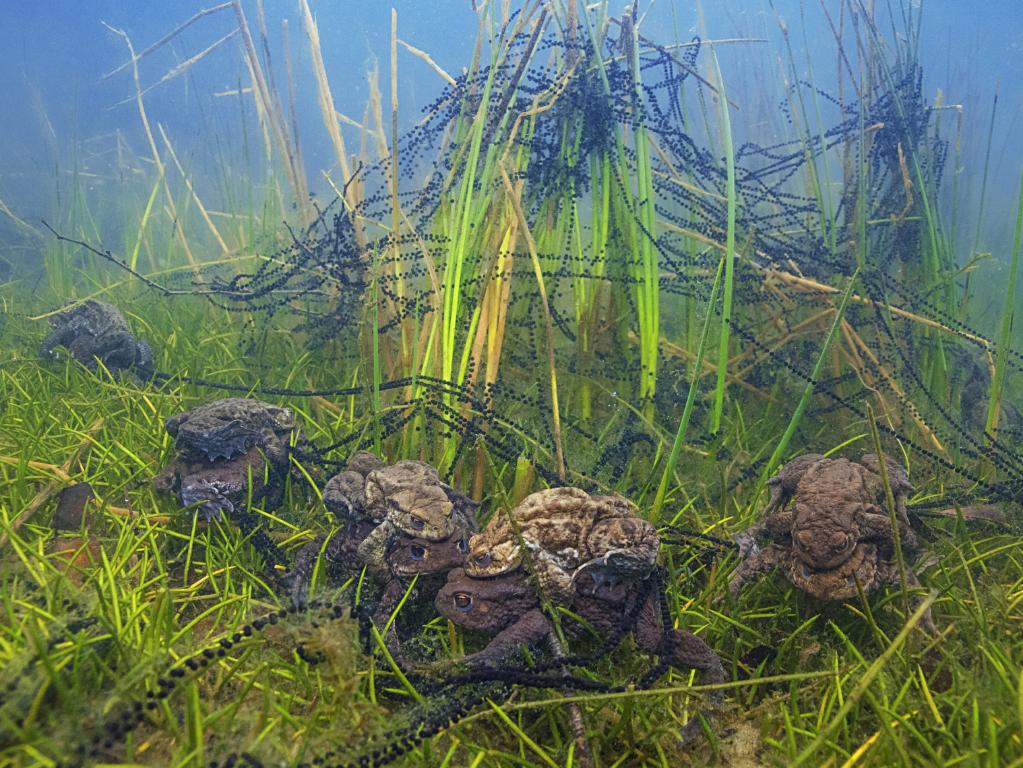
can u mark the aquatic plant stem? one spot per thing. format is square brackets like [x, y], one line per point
[687, 411]
[399, 282]
[875, 437]
[726, 302]
[1005, 331]
[514, 197]
[811, 385]
[984, 175]
[648, 290]
[296, 176]
[375, 299]
[326, 99]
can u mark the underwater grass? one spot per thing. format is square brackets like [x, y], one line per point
[165, 585]
[729, 288]
[1005, 326]
[162, 590]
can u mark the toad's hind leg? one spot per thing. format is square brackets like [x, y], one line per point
[623, 549]
[679, 648]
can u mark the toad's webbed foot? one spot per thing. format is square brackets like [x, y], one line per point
[747, 542]
[610, 570]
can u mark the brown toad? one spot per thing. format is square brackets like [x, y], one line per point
[566, 533]
[220, 445]
[96, 330]
[507, 607]
[836, 538]
[222, 429]
[363, 496]
[345, 496]
[409, 499]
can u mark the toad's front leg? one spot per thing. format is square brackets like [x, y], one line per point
[59, 337]
[372, 551]
[531, 628]
[528, 631]
[764, 561]
[876, 525]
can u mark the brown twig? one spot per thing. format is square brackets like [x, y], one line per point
[135, 58]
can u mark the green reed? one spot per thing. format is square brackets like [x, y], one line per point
[1006, 325]
[726, 301]
[687, 410]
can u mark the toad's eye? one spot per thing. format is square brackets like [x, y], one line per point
[416, 552]
[462, 546]
[483, 559]
[418, 524]
[393, 505]
[462, 601]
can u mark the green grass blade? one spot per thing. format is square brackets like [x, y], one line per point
[687, 411]
[1005, 332]
[726, 302]
[811, 385]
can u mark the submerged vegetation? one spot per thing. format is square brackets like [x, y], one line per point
[578, 267]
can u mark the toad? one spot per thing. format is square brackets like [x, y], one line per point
[565, 534]
[409, 499]
[507, 607]
[836, 537]
[344, 496]
[220, 445]
[363, 497]
[225, 428]
[93, 331]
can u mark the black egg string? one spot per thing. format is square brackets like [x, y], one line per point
[133, 715]
[449, 703]
[73, 622]
[994, 451]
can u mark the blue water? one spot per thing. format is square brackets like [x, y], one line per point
[54, 54]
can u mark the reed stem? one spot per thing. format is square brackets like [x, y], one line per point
[1005, 331]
